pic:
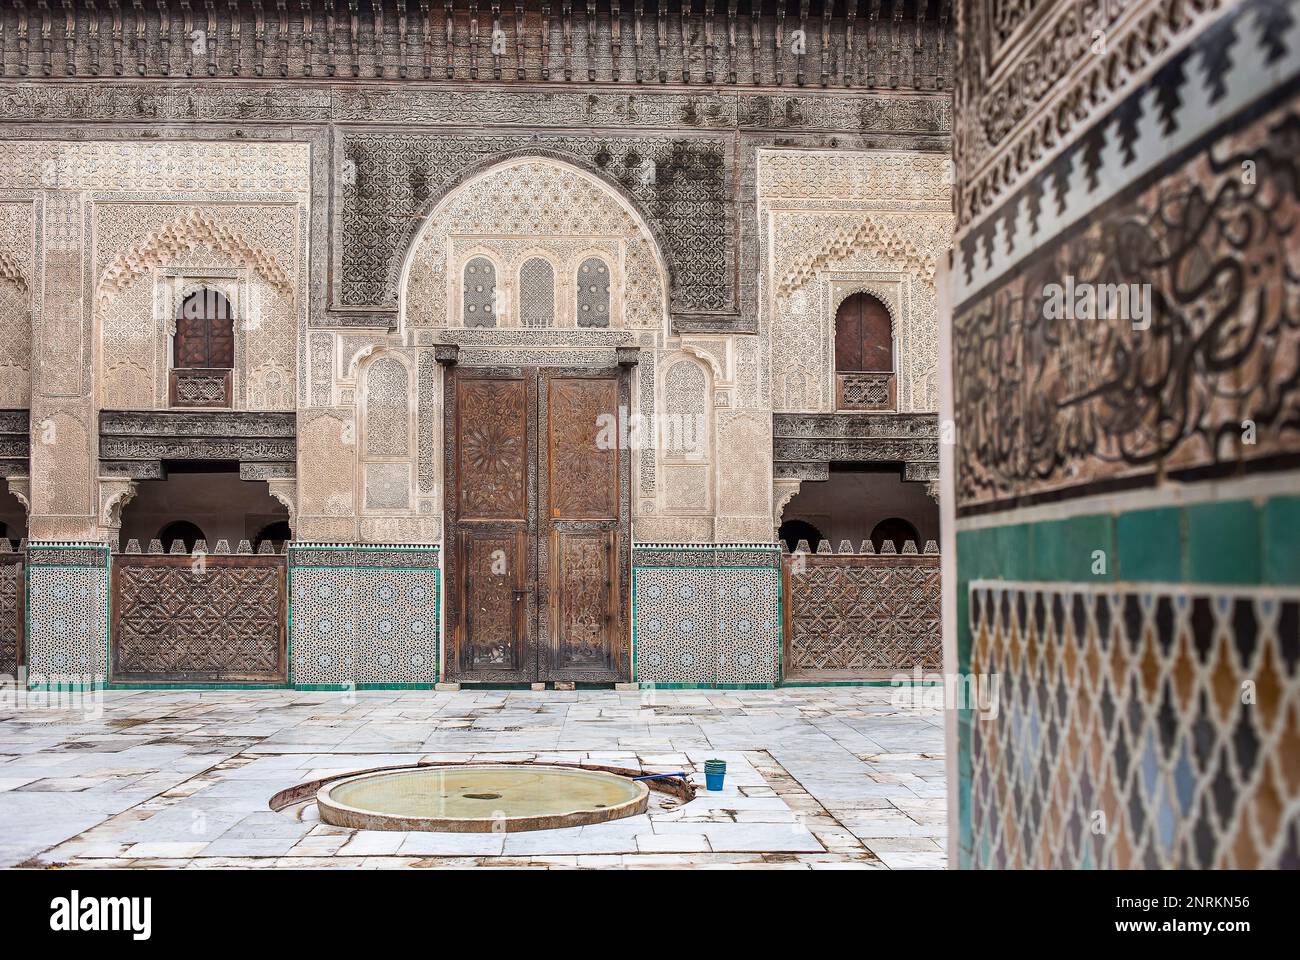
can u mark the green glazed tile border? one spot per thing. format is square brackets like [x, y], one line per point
[651, 685]
[343, 687]
[1150, 544]
[196, 685]
[1280, 532]
[1223, 543]
[860, 683]
[1232, 542]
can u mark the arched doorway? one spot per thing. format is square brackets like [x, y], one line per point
[182, 530]
[276, 533]
[538, 508]
[13, 527]
[13, 517]
[870, 607]
[864, 355]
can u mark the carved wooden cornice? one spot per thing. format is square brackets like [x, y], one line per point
[679, 43]
[805, 444]
[134, 443]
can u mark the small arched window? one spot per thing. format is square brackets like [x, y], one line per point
[203, 351]
[593, 293]
[537, 293]
[479, 292]
[864, 336]
[205, 331]
[864, 354]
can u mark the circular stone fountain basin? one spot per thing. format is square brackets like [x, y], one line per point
[480, 798]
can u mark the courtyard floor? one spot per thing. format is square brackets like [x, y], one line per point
[818, 777]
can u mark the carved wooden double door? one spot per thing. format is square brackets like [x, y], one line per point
[537, 524]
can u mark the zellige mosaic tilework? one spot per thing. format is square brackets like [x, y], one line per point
[67, 613]
[363, 615]
[1150, 726]
[707, 614]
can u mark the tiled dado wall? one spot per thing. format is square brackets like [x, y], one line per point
[1126, 495]
[67, 614]
[363, 614]
[706, 614]
[368, 615]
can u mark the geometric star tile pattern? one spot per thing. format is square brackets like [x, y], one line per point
[706, 615]
[363, 615]
[67, 613]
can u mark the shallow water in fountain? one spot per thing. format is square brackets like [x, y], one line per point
[478, 792]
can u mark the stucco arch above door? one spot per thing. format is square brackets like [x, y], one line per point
[517, 208]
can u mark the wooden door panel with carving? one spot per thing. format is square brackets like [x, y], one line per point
[583, 604]
[538, 515]
[491, 522]
[493, 431]
[583, 448]
[496, 589]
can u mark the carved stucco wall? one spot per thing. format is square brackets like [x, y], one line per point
[17, 281]
[148, 257]
[834, 223]
[103, 234]
[368, 463]
[522, 209]
[119, 230]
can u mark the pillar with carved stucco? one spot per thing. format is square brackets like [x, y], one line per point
[64, 482]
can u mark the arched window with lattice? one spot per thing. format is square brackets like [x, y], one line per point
[479, 293]
[203, 351]
[537, 293]
[864, 355]
[593, 293]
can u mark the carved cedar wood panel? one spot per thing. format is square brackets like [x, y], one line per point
[496, 563]
[185, 619]
[492, 419]
[582, 485]
[491, 524]
[864, 613]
